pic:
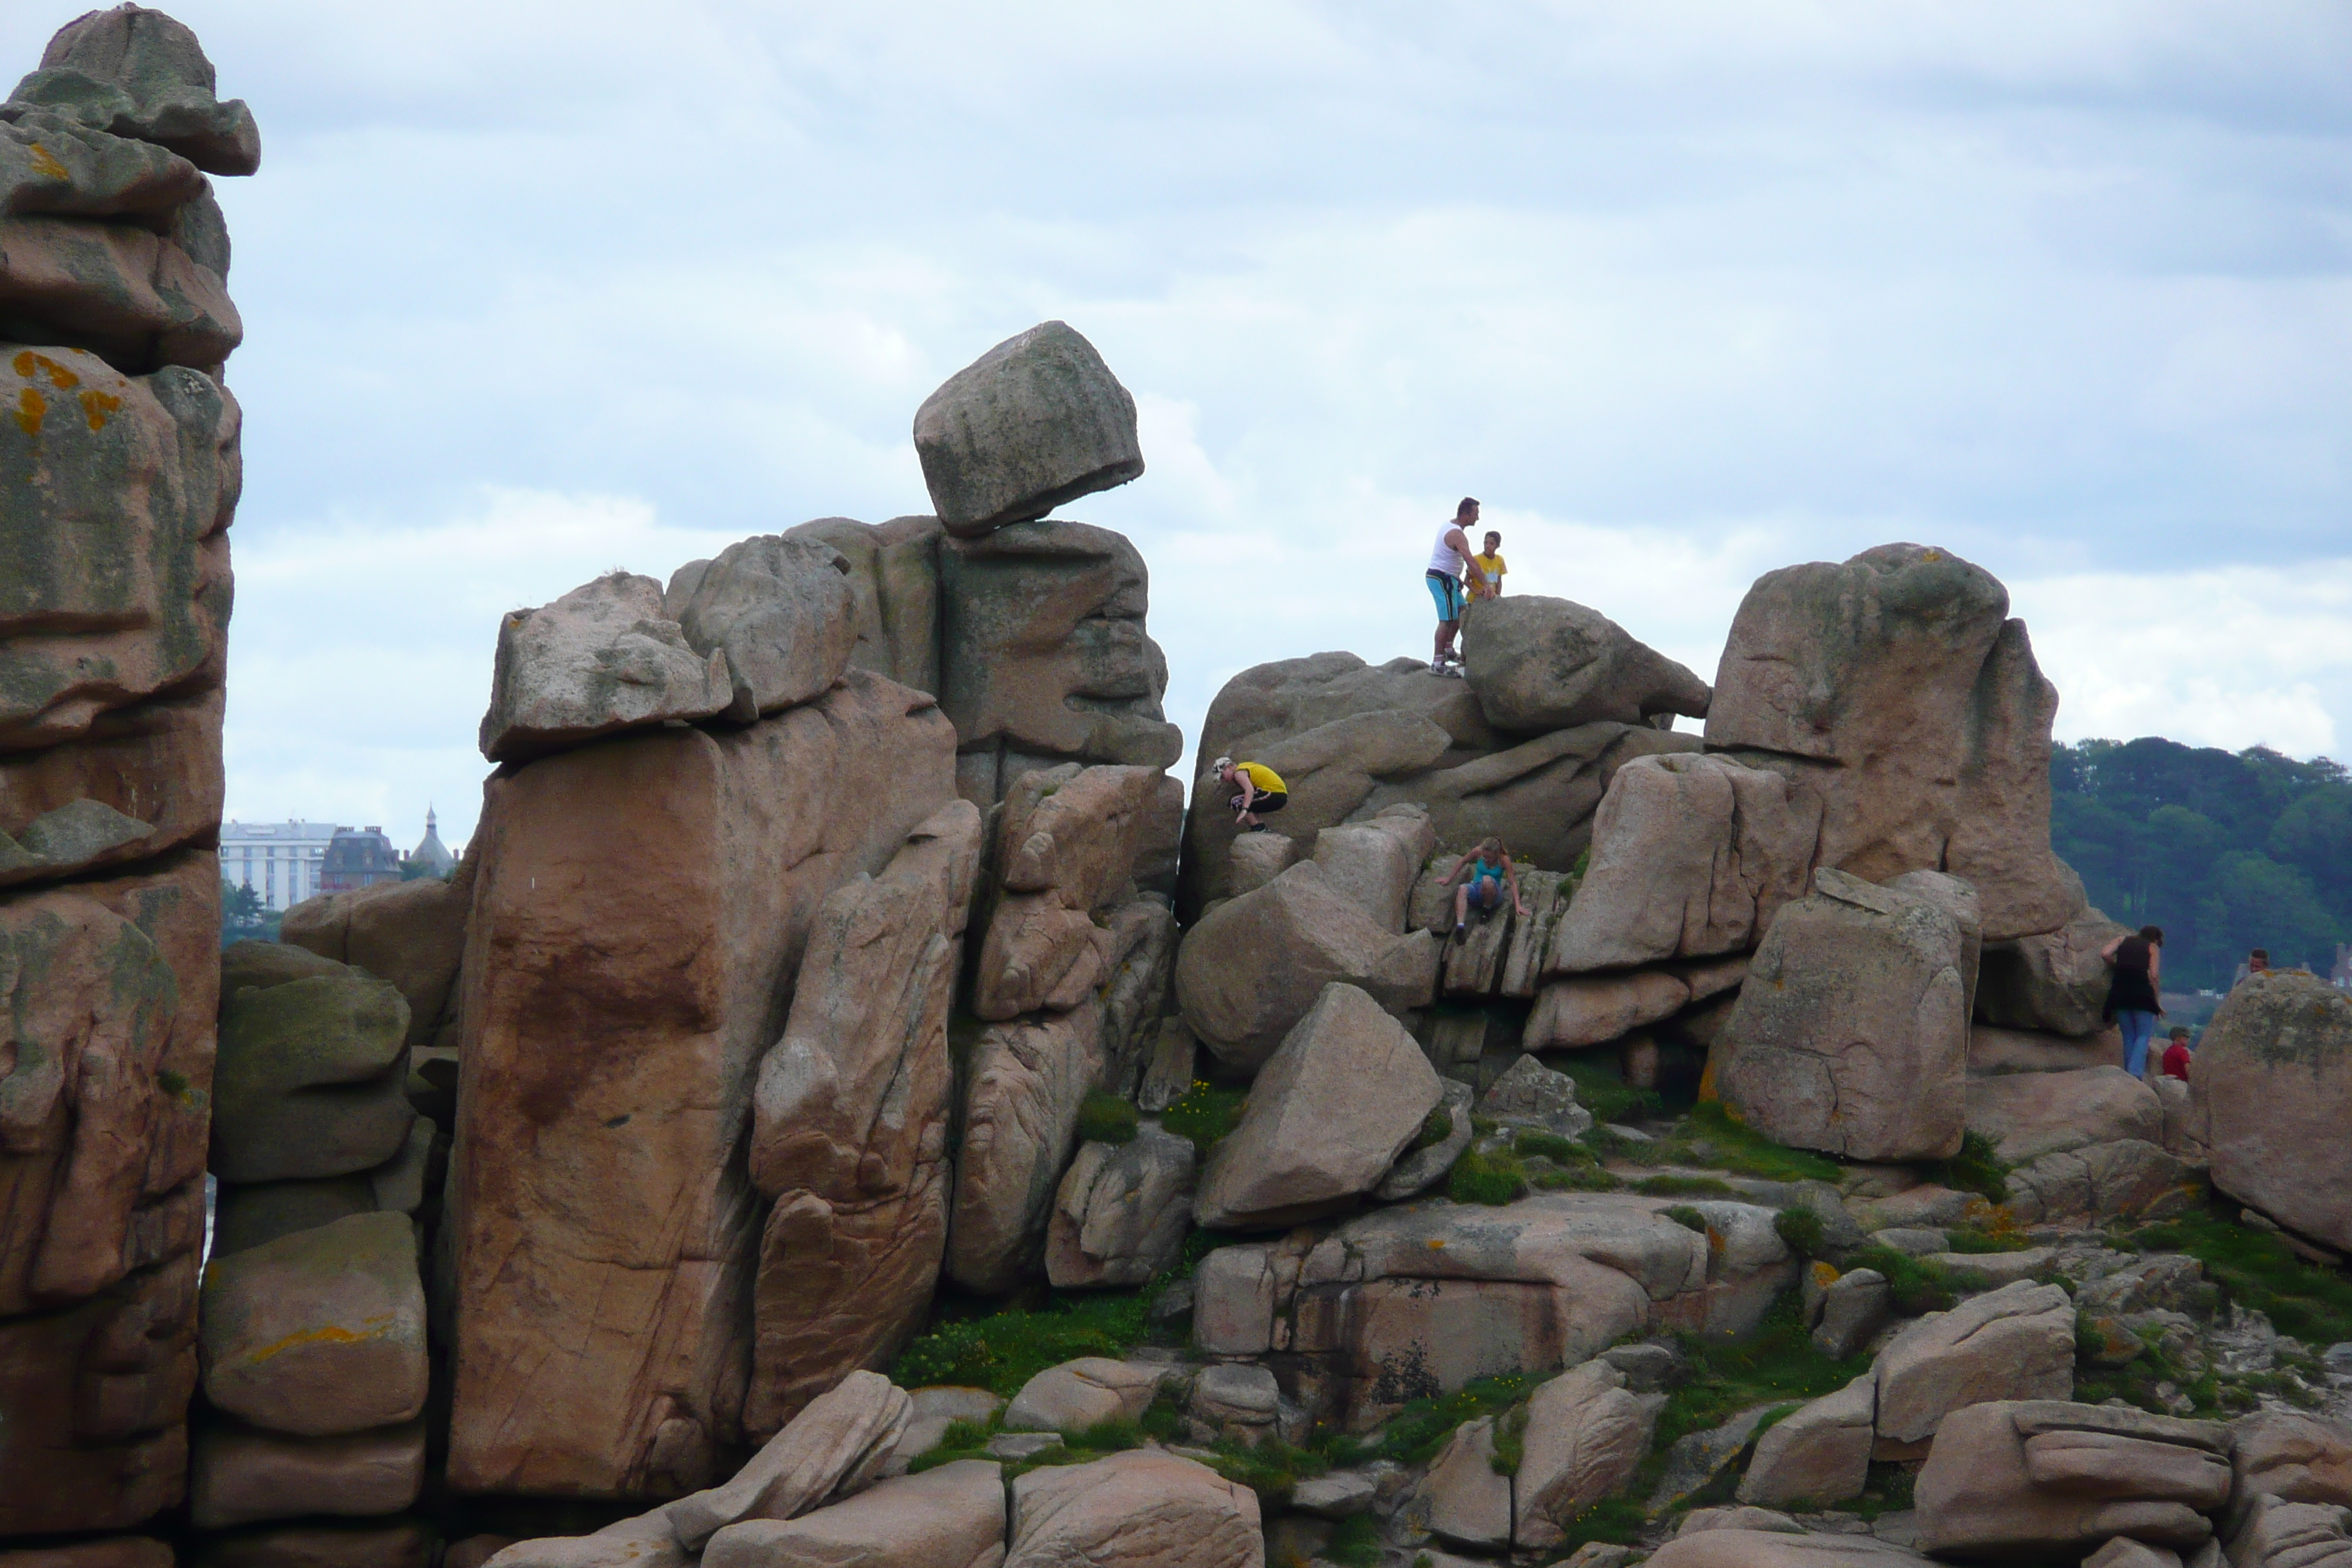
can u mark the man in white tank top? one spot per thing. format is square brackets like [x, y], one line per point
[1449, 562]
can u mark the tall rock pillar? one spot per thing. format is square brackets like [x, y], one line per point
[118, 474]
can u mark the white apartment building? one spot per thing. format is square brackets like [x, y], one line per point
[279, 860]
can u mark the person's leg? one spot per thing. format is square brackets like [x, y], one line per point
[1490, 896]
[2137, 1027]
[1461, 908]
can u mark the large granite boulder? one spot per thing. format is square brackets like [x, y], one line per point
[1851, 1034]
[1591, 1009]
[1351, 740]
[2042, 1479]
[2028, 1115]
[849, 1123]
[311, 1079]
[140, 299]
[1036, 421]
[598, 1264]
[1819, 1453]
[2279, 1534]
[1585, 1436]
[894, 583]
[603, 658]
[1019, 1128]
[2293, 1455]
[1044, 658]
[138, 782]
[1252, 967]
[2016, 1343]
[1692, 855]
[2270, 1096]
[1067, 845]
[162, 88]
[1377, 862]
[2055, 981]
[1537, 664]
[950, 1517]
[1464, 1498]
[1143, 1509]
[1121, 1212]
[1077, 1395]
[779, 611]
[2125, 1177]
[1994, 1051]
[410, 934]
[319, 1332]
[1894, 689]
[1328, 1115]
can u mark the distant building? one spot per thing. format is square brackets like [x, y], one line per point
[282, 861]
[2341, 975]
[431, 855]
[358, 857]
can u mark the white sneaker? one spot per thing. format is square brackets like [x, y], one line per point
[1437, 666]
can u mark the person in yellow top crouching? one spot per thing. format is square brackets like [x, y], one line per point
[1490, 568]
[1257, 788]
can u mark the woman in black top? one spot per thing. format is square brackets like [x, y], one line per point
[2132, 993]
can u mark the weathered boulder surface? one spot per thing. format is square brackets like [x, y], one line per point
[1328, 1115]
[1080, 1394]
[2270, 1096]
[1121, 1212]
[1851, 1034]
[1818, 1453]
[2128, 1176]
[779, 611]
[2028, 1115]
[411, 935]
[2277, 1535]
[2293, 1455]
[1894, 689]
[1585, 1436]
[1692, 855]
[1589, 1009]
[951, 1516]
[320, 1332]
[1140, 1509]
[1993, 1050]
[894, 580]
[1044, 658]
[162, 88]
[1529, 1094]
[1254, 966]
[137, 783]
[310, 1079]
[240, 1474]
[2055, 981]
[618, 1008]
[1464, 1498]
[601, 658]
[1067, 845]
[2020, 1480]
[834, 1448]
[2016, 1343]
[1539, 664]
[849, 1123]
[1418, 1169]
[1738, 1548]
[1036, 421]
[1020, 1125]
[1377, 862]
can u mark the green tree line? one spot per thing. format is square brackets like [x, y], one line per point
[2225, 851]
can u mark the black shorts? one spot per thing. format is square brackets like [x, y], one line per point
[1263, 801]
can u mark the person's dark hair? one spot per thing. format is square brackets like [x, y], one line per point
[2152, 933]
[2262, 953]
[2179, 1031]
[1469, 504]
[1495, 535]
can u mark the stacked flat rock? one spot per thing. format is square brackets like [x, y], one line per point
[120, 471]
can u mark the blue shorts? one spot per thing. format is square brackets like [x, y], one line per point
[1448, 592]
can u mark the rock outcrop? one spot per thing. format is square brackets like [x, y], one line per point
[601, 659]
[2269, 1098]
[598, 1350]
[1894, 691]
[2013, 1481]
[1036, 421]
[120, 473]
[1537, 664]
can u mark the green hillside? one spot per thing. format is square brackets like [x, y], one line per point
[2225, 851]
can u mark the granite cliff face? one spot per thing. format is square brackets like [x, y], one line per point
[1758, 1162]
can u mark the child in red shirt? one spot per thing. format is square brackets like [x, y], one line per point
[2176, 1056]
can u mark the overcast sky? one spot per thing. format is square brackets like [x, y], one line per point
[1683, 292]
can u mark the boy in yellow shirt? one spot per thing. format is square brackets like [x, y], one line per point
[1491, 568]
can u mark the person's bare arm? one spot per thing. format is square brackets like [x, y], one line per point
[1511, 875]
[1459, 543]
[2108, 953]
[1249, 787]
[1459, 861]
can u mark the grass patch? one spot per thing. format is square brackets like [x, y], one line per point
[1974, 1169]
[1582, 1179]
[1355, 1542]
[1416, 1433]
[1888, 1490]
[1777, 1365]
[1688, 1218]
[1603, 1089]
[1003, 1350]
[1435, 1129]
[1982, 1242]
[2255, 1269]
[1205, 1115]
[1801, 1231]
[1490, 1176]
[1106, 1118]
[1616, 1522]
[1551, 1146]
[1684, 1187]
[1916, 1284]
[1708, 1136]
